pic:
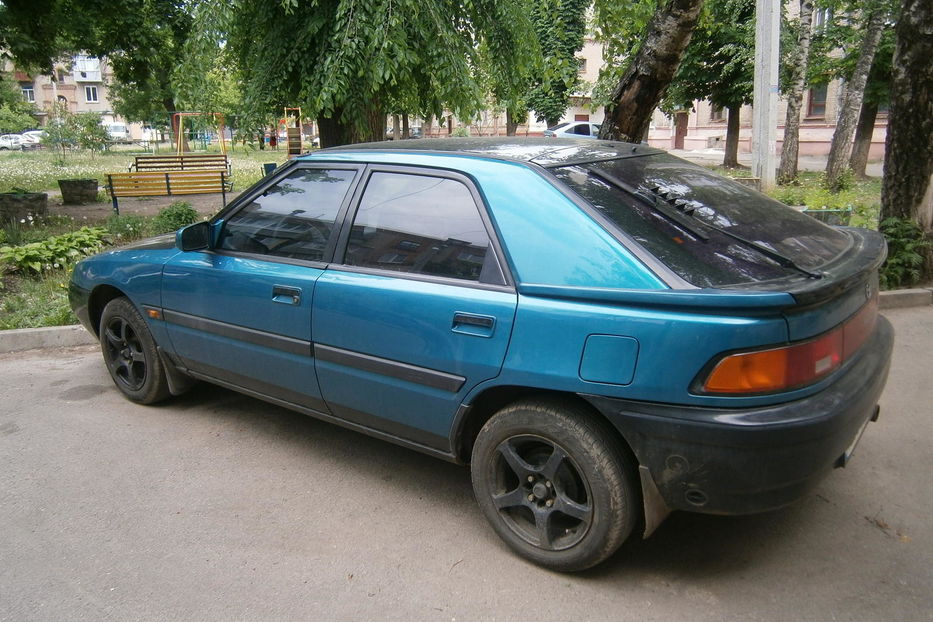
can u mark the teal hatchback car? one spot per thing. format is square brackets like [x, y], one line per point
[603, 332]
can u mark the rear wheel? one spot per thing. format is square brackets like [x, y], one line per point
[130, 353]
[554, 484]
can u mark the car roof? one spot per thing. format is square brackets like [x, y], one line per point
[548, 152]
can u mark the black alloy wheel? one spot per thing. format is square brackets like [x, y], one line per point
[554, 483]
[130, 353]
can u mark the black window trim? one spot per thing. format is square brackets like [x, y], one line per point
[343, 236]
[281, 173]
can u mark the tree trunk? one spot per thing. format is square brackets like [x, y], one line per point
[841, 146]
[511, 123]
[641, 88]
[908, 154]
[406, 131]
[790, 151]
[334, 130]
[731, 159]
[863, 134]
[427, 128]
[396, 128]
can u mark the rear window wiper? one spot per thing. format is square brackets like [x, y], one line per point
[657, 203]
[675, 210]
[779, 258]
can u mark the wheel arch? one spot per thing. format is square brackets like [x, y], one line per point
[472, 417]
[100, 296]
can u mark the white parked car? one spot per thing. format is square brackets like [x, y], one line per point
[573, 129]
[118, 132]
[11, 141]
[31, 139]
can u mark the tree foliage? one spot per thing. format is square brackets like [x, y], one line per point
[719, 63]
[559, 26]
[142, 40]
[15, 112]
[348, 62]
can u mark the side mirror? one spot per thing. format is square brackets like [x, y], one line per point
[194, 237]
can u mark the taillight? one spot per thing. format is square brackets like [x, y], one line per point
[795, 365]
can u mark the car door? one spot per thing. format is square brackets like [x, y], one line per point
[240, 313]
[419, 310]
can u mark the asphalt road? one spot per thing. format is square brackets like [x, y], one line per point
[219, 507]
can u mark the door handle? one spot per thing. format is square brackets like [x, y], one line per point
[472, 324]
[286, 295]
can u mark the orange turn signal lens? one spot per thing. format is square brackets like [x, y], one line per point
[793, 366]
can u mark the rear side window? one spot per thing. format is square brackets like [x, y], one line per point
[699, 197]
[293, 218]
[420, 225]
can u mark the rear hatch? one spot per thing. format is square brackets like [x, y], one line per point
[712, 232]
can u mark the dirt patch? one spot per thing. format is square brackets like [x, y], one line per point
[205, 204]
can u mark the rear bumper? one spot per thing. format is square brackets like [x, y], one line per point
[741, 461]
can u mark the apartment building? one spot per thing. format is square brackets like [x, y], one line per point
[81, 84]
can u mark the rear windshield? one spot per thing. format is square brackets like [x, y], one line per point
[700, 197]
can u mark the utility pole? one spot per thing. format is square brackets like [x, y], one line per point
[764, 118]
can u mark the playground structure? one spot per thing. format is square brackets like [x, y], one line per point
[292, 122]
[178, 120]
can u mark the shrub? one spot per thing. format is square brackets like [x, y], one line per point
[906, 252]
[55, 252]
[127, 227]
[174, 217]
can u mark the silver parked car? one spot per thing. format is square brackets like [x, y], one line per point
[574, 129]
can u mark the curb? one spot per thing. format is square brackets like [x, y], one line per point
[75, 335]
[48, 337]
[900, 298]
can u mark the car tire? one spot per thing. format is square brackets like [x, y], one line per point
[130, 353]
[554, 483]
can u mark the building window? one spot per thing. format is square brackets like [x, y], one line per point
[816, 106]
[86, 68]
[581, 65]
[822, 18]
[29, 93]
[90, 94]
[716, 114]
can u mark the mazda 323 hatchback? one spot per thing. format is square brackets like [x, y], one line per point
[603, 332]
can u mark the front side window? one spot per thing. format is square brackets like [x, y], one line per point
[583, 129]
[421, 225]
[293, 218]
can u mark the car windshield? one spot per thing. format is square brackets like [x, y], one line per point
[703, 226]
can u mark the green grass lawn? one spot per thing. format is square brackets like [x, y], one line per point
[40, 170]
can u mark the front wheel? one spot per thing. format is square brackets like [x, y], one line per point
[554, 484]
[130, 353]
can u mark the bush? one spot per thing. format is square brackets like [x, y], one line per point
[127, 227]
[174, 217]
[55, 252]
[907, 247]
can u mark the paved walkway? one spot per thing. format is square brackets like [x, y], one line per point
[713, 157]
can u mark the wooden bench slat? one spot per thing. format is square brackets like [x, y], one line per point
[167, 183]
[183, 162]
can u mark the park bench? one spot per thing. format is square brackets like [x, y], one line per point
[166, 183]
[184, 162]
